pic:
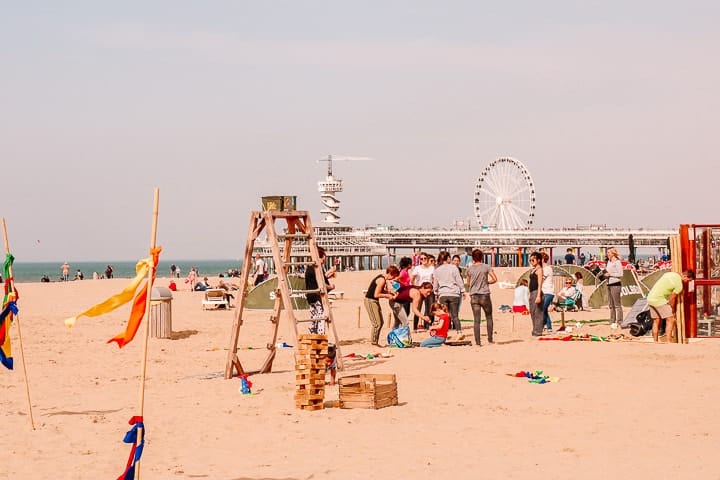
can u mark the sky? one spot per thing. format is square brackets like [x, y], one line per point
[611, 105]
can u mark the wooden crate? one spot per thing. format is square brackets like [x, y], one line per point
[368, 391]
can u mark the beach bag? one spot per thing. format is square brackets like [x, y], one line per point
[399, 337]
[642, 324]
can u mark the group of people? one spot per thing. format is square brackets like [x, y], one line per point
[65, 274]
[204, 285]
[432, 294]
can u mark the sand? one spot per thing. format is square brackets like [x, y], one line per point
[627, 409]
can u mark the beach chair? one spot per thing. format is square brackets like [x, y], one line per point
[214, 297]
[570, 304]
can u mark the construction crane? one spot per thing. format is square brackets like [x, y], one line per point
[330, 186]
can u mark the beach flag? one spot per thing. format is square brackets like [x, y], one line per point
[9, 309]
[137, 447]
[133, 291]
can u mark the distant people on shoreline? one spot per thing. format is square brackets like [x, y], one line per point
[43, 279]
[79, 275]
[109, 271]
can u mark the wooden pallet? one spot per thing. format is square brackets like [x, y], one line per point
[368, 391]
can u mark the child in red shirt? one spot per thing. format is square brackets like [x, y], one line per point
[439, 328]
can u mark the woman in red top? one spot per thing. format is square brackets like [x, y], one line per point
[439, 328]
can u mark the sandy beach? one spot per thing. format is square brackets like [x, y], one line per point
[624, 409]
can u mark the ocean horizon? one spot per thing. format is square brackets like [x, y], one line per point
[25, 272]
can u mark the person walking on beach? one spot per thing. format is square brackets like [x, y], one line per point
[449, 286]
[377, 290]
[536, 296]
[663, 300]
[65, 270]
[480, 276]
[614, 285]
[173, 270]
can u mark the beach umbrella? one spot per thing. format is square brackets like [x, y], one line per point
[588, 277]
[632, 289]
[566, 271]
[631, 248]
[650, 279]
[262, 297]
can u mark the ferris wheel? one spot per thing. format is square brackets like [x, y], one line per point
[505, 196]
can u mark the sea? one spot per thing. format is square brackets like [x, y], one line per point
[25, 272]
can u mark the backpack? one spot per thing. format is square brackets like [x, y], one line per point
[400, 337]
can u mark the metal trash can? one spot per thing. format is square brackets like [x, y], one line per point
[160, 312]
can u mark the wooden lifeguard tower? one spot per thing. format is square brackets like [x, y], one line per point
[298, 232]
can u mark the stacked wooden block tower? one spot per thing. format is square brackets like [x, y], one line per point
[310, 361]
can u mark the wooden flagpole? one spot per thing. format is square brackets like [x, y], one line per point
[153, 240]
[17, 323]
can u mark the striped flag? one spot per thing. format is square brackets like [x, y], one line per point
[9, 309]
[133, 291]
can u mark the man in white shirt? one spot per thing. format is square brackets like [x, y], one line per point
[260, 269]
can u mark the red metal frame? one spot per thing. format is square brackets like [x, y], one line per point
[689, 260]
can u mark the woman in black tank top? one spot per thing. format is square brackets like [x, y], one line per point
[378, 289]
[536, 308]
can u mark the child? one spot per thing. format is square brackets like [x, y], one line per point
[331, 362]
[439, 328]
[521, 300]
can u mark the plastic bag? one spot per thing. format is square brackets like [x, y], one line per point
[400, 337]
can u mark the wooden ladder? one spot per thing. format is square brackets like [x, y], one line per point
[299, 227]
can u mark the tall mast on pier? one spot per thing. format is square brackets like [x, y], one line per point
[329, 187]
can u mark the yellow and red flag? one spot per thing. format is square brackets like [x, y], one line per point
[130, 292]
[9, 309]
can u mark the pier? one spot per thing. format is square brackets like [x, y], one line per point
[373, 248]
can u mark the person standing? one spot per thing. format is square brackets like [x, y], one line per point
[191, 278]
[663, 300]
[317, 310]
[614, 285]
[548, 289]
[405, 277]
[449, 286]
[582, 259]
[260, 271]
[480, 276]
[570, 257]
[421, 274]
[377, 290]
[536, 296]
[65, 270]
[173, 269]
